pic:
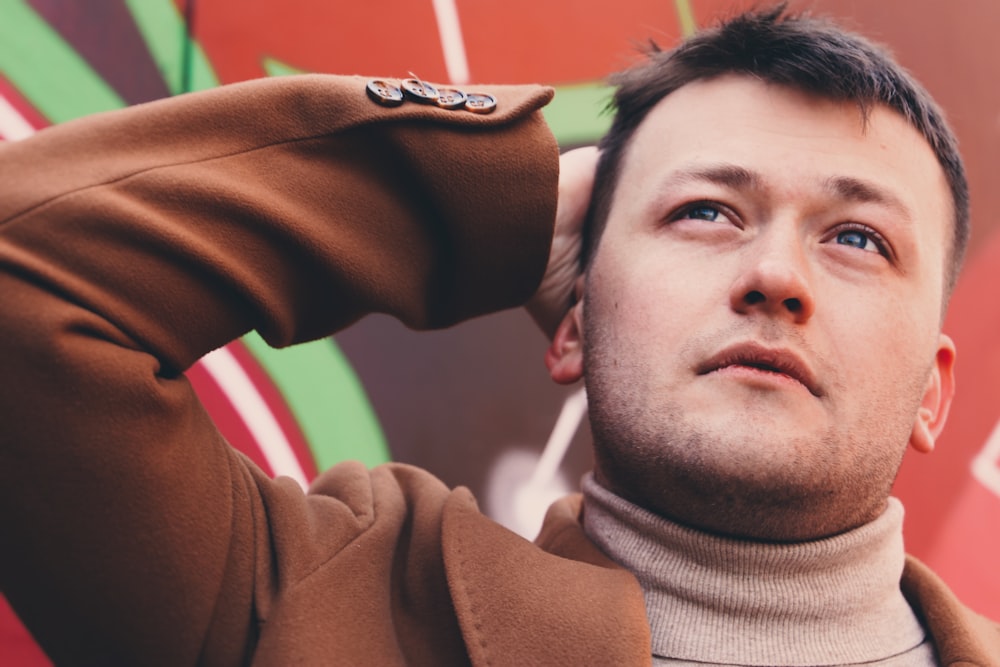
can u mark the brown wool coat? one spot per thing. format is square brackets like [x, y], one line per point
[134, 242]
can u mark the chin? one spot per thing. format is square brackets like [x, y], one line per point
[745, 486]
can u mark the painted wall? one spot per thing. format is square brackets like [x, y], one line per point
[474, 404]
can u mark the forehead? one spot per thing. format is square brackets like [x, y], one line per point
[795, 142]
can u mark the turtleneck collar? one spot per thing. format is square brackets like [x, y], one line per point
[716, 600]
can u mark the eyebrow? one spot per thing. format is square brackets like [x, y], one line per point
[857, 190]
[728, 175]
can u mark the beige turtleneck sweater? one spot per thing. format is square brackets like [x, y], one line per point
[717, 601]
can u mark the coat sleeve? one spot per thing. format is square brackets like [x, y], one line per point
[134, 242]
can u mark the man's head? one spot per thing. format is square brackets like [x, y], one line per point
[808, 54]
[760, 323]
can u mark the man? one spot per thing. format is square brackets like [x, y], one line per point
[760, 332]
[752, 237]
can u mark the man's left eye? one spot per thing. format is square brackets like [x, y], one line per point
[857, 239]
[709, 213]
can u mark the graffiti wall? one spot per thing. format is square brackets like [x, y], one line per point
[474, 404]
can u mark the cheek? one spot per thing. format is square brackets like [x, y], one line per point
[883, 347]
[649, 301]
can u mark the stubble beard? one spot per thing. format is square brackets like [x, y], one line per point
[730, 481]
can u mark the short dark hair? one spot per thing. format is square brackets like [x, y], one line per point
[806, 53]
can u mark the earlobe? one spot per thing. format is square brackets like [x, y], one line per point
[564, 358]
[933, 411]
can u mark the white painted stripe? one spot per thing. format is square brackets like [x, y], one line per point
[13, 126]
[252, 409]
[986, 466]
[452, 42]
[573, 409]
[530, 498]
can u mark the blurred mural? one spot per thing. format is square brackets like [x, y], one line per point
[474, 404]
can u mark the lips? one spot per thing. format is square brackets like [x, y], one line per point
[772, 360]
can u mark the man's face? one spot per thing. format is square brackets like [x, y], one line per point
[760, 326]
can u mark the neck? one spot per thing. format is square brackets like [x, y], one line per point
[714, 599]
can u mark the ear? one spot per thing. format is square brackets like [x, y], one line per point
[934, 407]
[564, 358]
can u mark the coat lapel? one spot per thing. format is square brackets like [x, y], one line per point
[561, 601]
[961, 636]
[562, 604]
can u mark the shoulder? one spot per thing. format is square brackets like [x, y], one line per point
[960, 634]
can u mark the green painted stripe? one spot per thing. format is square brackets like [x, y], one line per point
[275, 67]
[327, 399]
[202, 75]
[46, 70]
[576, 115]
[686, 15]
[162, 26]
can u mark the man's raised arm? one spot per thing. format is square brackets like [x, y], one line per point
[134, 242]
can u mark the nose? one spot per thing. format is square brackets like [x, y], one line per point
[774, 281]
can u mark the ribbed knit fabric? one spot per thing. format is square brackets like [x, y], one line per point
[718, 601]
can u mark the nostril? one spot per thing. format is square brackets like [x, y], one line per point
[793, 305]
[754, 297]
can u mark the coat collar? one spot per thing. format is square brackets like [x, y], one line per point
[563, 604]
[961, 636]
[567, 603]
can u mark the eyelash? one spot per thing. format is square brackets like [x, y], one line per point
[880, 241]
[686, 210]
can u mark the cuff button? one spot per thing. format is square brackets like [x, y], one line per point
[419, 91]
[451, 98]
[480, 103]
[384, 93]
